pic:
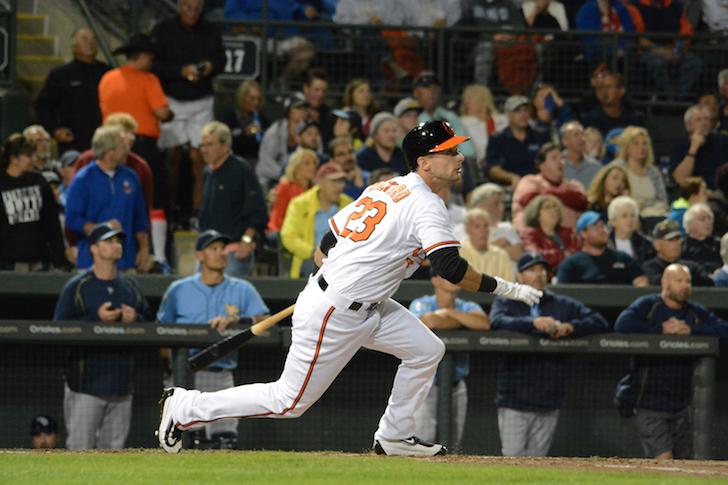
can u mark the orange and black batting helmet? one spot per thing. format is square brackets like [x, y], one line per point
[429, 137]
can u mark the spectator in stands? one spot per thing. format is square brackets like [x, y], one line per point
[426, 90]
[580, 166]
[307, 217]
[41, 140]
[308, 134]
[233, 202]
[358, 97]
[407, 112]
[723, 101]
[646, 184]
[431, 13]
[486, 258]
[67, 172]
[68, 104]
[594, 144]
[99, 380]
[668, 241]
[381, 150]
[532, 387]
[596, 263]
[659, 55]
[189, 54]
[220, 300]
[700, 245]
[549, 180]
[314, 90]
[623, 214]
[516, 60]
[700, 153]
[710, 102]
[603, 16]
[342, 123]
[548, 111]
[662, 412]
[30, 231]
[298, 178]
[612, 112]
[246, 121]
[279, 141]
[107, 191]
[545, 234]
[511, 153]
[610, 182]
[718, 202]
[133, 89]
[691, 191]
[545, 14]
[342, 153]
[381, 175]
[445, 311]
[146, 179]
[480, 118]
[44, 433]
[720, 277]
[503, 234]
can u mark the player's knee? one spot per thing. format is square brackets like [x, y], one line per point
[434, 351]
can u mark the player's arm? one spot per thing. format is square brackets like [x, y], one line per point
[448, 264]
[327, 242]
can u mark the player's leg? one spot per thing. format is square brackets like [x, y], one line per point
[324, 339]
[210, 381]
[404, 336]
[426, 417]
[541, 433]
[83, 414]
[115, 424]
[513, 426]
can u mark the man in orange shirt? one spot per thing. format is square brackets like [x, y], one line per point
[133, 89]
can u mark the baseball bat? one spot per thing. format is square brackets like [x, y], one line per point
[220, 349]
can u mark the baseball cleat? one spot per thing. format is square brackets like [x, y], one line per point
[409, 447]
[170, 436]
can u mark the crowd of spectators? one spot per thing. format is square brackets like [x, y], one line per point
[538, 176]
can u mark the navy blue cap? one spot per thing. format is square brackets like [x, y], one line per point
[103, 232]
[526, 260]
[210, 236]
[43, 424]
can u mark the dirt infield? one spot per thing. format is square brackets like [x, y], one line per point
[716, 469]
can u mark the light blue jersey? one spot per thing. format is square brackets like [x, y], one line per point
[189, 300]
[428, 303]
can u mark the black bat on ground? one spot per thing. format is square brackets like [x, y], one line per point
[220, 349]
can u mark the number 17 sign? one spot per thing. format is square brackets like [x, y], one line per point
[243, 57]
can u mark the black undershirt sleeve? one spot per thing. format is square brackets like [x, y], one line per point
[448, 264]
[327, 242]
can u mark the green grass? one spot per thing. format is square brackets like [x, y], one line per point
[269, 468]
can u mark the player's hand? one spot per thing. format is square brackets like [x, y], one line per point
[128, 314]
[516, 291]
[106, 314]
[221, 323]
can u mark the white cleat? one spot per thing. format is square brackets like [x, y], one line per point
[170, 436]
[409, 447]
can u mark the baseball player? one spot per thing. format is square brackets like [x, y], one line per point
[373, 244]
[220, 300]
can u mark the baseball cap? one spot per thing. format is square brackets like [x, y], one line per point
[424, 79]
[666, 230]
[138, 43]
[611, 141]
[69, 158]
[429, 137]
[587, 219]
[103, 232]
[528, 259]
[330, 170]
[514, 102]
[405, 105]
[208, 237]
[43, 424]
[51, 177]
[297, 100]
[305, 125]
[340, 113]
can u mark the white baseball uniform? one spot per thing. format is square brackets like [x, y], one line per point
[381, 239]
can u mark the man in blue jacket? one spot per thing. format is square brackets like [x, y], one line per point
[99, 380]
[531, 387]
[662, 412]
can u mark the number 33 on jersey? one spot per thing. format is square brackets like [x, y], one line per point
[384, 235]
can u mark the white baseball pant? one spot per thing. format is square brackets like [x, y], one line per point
[325, 336]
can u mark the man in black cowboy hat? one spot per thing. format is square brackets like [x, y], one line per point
[133, 89]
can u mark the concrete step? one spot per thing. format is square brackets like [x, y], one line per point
[31, 24]
[184, 242]
[26, 6]
[36, 45]
[34, 67]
